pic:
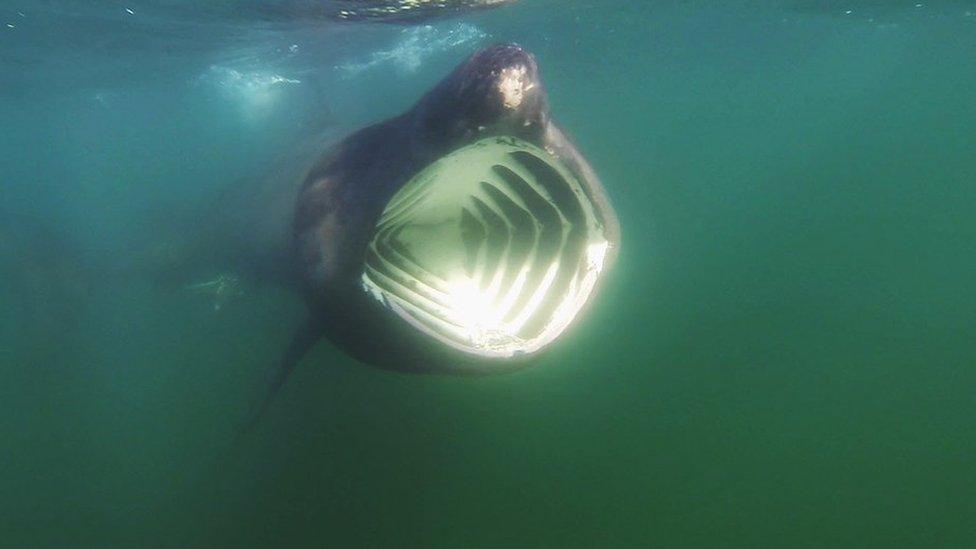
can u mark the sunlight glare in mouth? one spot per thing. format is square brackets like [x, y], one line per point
[480, 314]
[474, 310]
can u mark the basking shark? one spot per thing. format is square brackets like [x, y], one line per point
[463, 236]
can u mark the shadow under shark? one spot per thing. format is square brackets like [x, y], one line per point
[464, 236]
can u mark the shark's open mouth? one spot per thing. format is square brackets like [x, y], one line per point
[493, 249]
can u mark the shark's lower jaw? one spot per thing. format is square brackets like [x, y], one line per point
[493, 249]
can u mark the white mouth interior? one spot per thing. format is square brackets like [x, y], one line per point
[492, 249]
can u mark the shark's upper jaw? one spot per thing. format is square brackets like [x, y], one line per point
[493, 249]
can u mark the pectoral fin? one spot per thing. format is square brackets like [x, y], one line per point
[307, 335]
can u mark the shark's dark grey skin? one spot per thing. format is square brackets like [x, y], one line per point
[535, 225]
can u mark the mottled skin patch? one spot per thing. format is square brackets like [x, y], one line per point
[512, 86]
[322, 203]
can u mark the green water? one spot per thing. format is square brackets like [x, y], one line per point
[783, 355]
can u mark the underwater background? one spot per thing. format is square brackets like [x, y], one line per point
[784, 354]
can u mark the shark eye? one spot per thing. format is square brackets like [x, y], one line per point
[493, 249]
